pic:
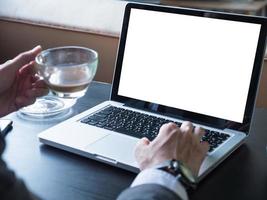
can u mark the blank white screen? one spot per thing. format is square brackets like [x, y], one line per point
[197, 64]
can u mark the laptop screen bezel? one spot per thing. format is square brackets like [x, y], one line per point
[183, 114]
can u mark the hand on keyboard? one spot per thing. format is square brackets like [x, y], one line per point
[173, 143]
[141, 125]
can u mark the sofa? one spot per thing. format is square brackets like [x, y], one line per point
[91, 23]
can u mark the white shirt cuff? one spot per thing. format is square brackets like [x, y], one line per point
[156, 176]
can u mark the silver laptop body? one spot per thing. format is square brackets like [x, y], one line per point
[177, 64]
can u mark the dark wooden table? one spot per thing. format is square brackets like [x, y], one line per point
[55, 174]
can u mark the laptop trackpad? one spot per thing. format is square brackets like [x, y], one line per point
[117, 147]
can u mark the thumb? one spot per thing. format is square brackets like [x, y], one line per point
[140, 145]
[25, 57]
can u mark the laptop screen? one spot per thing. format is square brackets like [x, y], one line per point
[198, 64]
[195, 65]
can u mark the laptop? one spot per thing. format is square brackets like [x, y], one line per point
[173, 64]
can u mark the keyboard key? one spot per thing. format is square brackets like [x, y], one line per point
[142, 125]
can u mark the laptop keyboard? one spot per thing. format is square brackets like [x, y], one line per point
[141, 125]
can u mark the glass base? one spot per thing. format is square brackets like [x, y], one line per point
[47, 107]
[70, 95]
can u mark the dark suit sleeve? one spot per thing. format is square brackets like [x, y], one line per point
[11, 188]
[148, 192]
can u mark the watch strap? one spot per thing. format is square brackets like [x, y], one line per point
[173, 167]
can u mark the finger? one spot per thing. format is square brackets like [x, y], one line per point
[205, 147]
[166, 130]
[36, 92]
[179, 140]
[39, 83]
[184, 147]
[36, 77]
[187, 127]
[139, 150]
[199, 132]
[25, 57]
[142, 142]
[27, 69]
[23, 101]
[180, 146]
[187, 142]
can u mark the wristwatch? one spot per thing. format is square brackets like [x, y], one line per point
[180, 171]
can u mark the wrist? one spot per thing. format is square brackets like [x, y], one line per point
[179, 170]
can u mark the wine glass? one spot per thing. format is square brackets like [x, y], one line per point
[67, 71]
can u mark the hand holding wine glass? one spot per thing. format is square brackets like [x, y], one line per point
[67, 71]
[19, 85]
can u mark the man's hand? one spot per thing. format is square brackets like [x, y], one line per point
[173, 143]
[19, 86]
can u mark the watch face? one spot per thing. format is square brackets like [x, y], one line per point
[187, 173]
